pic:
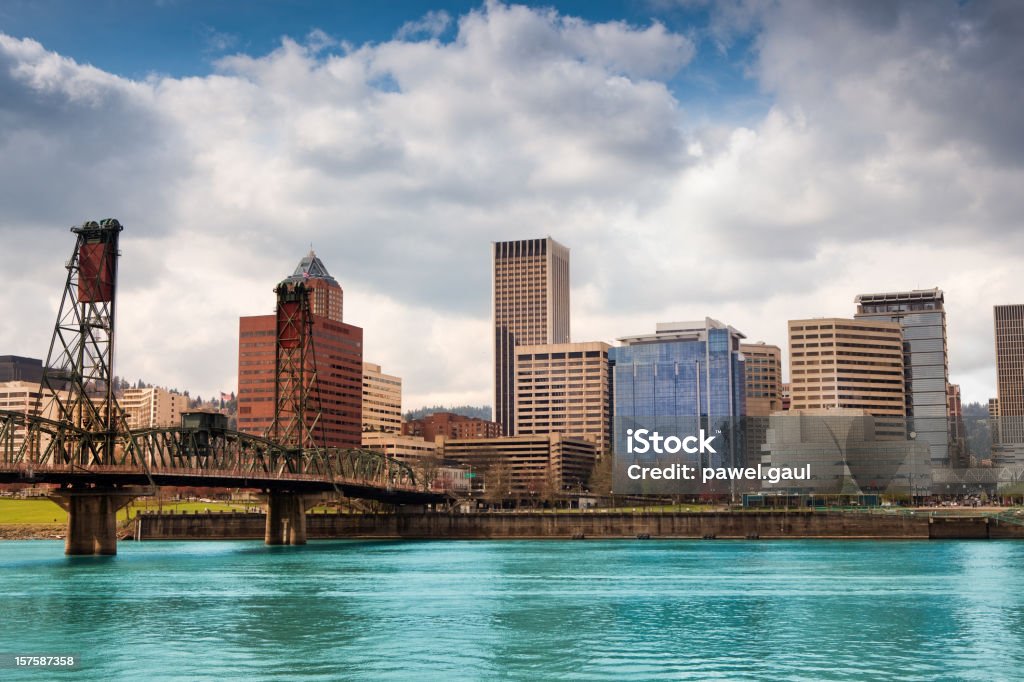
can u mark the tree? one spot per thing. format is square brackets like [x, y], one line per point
[550, 491]
[600, 482]
[426, 469]
[497, 475]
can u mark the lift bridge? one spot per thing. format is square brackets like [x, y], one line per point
[78, 438]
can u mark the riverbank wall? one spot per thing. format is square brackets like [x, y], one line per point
[597, 525]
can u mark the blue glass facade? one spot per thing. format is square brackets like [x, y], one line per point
[685, 378]
[675, 378]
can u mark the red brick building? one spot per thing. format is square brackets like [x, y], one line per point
[339, 362]
[451, 425]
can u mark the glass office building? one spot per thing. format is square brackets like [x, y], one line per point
[921, 314]
[685, 377]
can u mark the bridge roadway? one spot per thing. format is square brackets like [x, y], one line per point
[112, 477]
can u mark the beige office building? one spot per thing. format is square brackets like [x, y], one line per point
[762, 370]
[564, 388]
[531, 307]
[25, 398]
[855, 364]
[146, 408]
[409, 449]
[1009, 331]
[526, 465]
[382, 400]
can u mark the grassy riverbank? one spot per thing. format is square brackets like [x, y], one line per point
[14, 512]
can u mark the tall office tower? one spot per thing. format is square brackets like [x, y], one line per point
[1009, 325]
[839, 363]
[338, 348]
[382, 400]
[922, 315]
[564, 388]
[531, 307]
[763, 370]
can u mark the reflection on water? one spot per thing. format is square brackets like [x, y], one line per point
[520, 609]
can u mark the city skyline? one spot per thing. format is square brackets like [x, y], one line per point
[698, 162]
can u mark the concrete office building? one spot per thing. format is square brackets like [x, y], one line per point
[525, 466]
[339, 363]
[382, 400]
[26, 398]
[922, 316]
[564, 388]
[450, 425]
[409, 449]
[762, 367]
[146, 408]
[425, 458]
[530, 307]
[842, 363]
[1009, 333]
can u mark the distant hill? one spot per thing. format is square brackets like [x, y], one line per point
[478, 411]
[979, 410]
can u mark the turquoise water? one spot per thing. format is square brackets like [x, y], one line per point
[528, 610]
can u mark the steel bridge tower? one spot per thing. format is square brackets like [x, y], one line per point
[298, 411]
[78, 376]
[78, 382]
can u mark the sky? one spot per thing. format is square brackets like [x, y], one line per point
[748, 160]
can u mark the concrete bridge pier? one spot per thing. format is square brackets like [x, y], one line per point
[286, 519]
[92, 519]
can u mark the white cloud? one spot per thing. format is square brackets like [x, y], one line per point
[431, 25]
[887, 161]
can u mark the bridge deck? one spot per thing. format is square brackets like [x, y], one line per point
[112, 476]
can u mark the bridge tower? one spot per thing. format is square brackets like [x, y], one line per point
[298, 411]
[78, 381]
[79, 365]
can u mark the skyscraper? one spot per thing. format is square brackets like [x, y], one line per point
[531, 307]
[921, 314]
[338, 349]
[1009, 328]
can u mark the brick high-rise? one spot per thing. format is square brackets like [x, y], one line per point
[339, 363]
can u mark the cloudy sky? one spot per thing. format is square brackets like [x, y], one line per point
[750, 161]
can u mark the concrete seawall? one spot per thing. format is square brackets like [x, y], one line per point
[720, 525]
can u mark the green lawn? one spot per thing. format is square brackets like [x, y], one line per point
[30, 511]
[14, 511]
